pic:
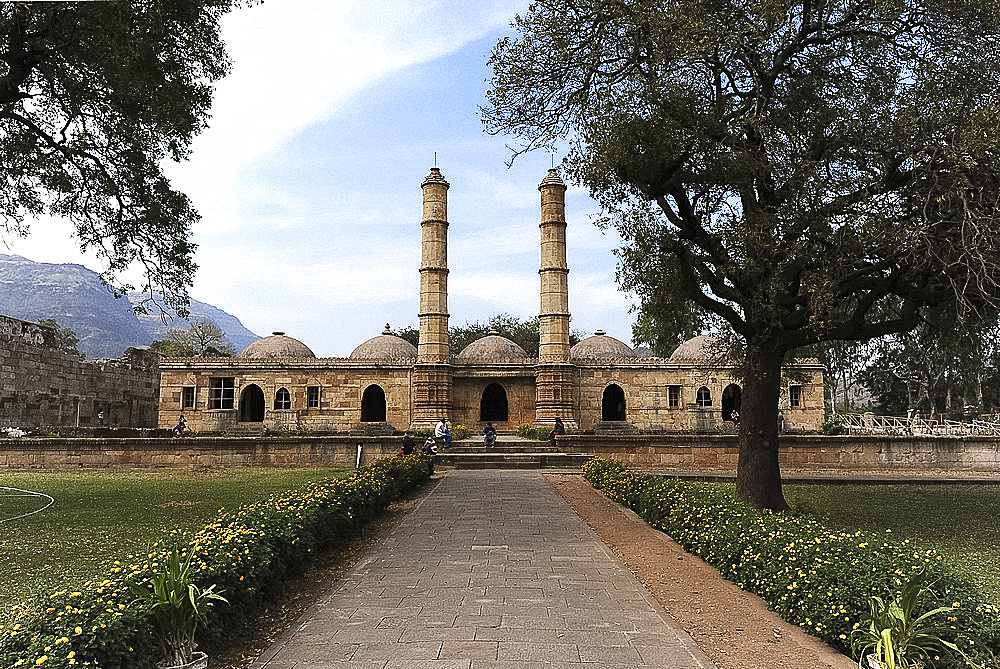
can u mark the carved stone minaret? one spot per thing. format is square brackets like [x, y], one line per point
[432, 372]
[555, 378]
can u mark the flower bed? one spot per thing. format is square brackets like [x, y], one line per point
[812, 576]
[249, 553]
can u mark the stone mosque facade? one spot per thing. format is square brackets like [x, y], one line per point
[386, 384]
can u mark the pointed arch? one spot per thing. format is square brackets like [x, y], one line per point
[732, 395]
[373, 404]
[252, 404]
[282, 400]
[613, 403]
[493, 404]
[704, 397]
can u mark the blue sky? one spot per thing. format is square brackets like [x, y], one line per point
[308, 180]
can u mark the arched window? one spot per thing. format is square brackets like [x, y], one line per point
[282, 400]
[373, 405]
[613, 403]
[493, 404]
[704, 397]
[252, 404]
[731, 397]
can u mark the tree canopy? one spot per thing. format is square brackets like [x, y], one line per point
[94, 96]
[524, 333]
[202, 339]
[66, 339]
[803, 170]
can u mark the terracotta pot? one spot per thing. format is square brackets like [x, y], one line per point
[200, 661]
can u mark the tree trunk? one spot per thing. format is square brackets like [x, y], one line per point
[758, 479]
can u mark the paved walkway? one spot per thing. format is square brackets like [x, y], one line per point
[492, 569]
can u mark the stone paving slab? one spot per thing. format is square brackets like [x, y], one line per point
[491, 570]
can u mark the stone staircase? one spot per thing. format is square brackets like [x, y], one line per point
[508, 453]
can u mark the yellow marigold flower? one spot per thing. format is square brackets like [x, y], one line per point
[41, 660]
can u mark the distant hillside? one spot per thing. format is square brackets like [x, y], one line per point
[75, 297]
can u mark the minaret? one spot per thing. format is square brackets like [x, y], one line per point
[432, 372]
[555, 377]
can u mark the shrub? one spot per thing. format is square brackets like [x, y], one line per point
[247, 554]
[812, 576]
[834, 425]
[460, 432]
[528, 432]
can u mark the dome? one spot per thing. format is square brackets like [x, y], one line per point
[705, 347]
[277, 347]
[601, 347]
[386, 346]
[492, 347]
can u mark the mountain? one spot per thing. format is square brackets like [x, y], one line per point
[75, 297]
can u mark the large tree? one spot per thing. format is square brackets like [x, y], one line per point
[806, 170]
[94, 96]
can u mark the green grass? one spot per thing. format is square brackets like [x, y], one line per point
[962, 522]
[98, 518]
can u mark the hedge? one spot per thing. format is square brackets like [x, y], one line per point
[249, 553]
[815, 577]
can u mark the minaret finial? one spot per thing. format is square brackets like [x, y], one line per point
[435, 159]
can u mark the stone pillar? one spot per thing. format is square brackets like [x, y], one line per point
[432, 372]
[556, 377]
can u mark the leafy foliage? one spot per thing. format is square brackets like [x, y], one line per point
[803, 171]
[812, 576]
[249, 553]
[94, 97]
[66, 339]
[202, 339]
[524, 333]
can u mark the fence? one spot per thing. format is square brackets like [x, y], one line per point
[905, 426]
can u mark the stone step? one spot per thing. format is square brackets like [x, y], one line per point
[520, 446]
[499, 460]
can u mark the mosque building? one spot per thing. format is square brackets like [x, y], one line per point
[600, 384]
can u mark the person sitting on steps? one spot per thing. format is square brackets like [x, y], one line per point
[489, 435]
[441, 433]
[559, 429]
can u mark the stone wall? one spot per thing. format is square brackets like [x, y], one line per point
[41, 387]
[692, 452]
[467, 394]
[342, 385]
[83, 454]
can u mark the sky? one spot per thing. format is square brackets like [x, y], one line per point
[308, 178]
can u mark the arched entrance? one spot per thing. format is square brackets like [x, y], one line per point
[731, 396]
[493, 405]
[373, 405]
[613, 403]
[252, 404]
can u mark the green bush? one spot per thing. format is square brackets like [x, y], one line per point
[812, 576]
[528, 432]
[247, 554]
[834, 425]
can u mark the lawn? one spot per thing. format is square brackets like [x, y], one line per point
[960, 521]
[98, 518]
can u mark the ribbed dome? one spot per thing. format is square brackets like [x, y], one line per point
[492, 347]
[277, 347]
[601, 347]
[704, 347]
[386, 346]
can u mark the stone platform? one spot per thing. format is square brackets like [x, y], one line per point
[491, 570]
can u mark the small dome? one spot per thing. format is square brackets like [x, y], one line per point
[601, 347]
[704, 347]
[277, 347]
[492, 347]
[386, 346]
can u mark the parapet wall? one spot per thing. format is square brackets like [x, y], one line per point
[691, 452]
[696, 453]
[43, 387]
[191, 453]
